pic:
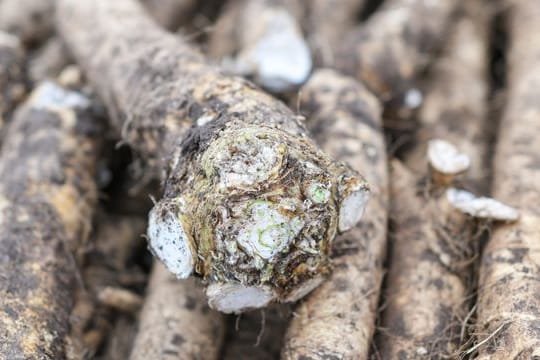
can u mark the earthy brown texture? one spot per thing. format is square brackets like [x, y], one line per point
[47, 195]
[508, 299]
[31, 20]
[395, 44]
[12, 87]
[220, 144]
[256, 334]
[455, 104]
[326, 22]
[338, 319]
[176, 322]
[432, 248]
[435, 247]
[170, 13]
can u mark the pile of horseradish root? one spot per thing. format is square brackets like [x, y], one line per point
[269, 179]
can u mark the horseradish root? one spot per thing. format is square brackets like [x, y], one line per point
[455, 112]
[394, 45]
[47, 196]
[176, 321]
[250, 203]
[326, 22]
[436, 240]
[338, 319]
[508, 302]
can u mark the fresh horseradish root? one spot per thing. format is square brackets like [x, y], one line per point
[47, 197]
[397, 42]
[337, 320]
[251, 205]
[508, 302]
[175, 322]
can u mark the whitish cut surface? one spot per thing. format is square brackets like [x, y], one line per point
[480, 207]
[267, 231]
[253, 160]
[236, 298]
[280, 59]
[7, 39]
[446, 158]
[168, 241]
[50, 96]
[352, 209]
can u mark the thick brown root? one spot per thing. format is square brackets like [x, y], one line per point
[326, 22]
[508, 302]
[455, 104]
[338, 319]
[394, 45]
[435, 243]
[429, 275]
[47, 196]
[176, 321]
[236, 163]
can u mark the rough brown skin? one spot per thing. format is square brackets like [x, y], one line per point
[508, 291]
[32, 21]
[435, 248]
[453, 112]
[326, 22]
[178, 114]
[48, 61]
[170, 13]
[430, 275]
[256, 334]
[176, 321]
[12, 87]
[338, 319]
[47, 195]
[394, 44]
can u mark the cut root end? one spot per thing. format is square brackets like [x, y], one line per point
[169, 242]
[236, 298]
[352, 209]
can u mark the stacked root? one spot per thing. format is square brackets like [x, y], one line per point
[338, 319]
[508, 320]
[435, 239]
[248, 202]
[47, 197]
